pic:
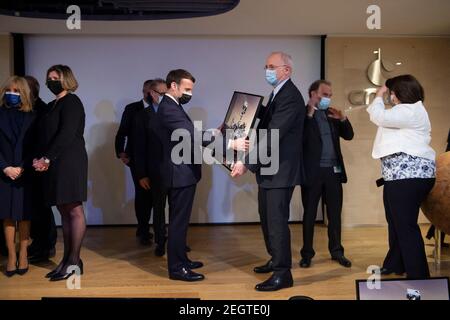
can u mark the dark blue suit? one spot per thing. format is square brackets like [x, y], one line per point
[147, 159]
[16, 150]
[180, 179]
[125, 141]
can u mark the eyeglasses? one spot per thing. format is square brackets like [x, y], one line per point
[159, 93]
[272, 67]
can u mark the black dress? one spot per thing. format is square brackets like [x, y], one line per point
[17, 141]
[60, 138]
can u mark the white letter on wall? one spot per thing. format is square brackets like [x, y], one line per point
[374, 20]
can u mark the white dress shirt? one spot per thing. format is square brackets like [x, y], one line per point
[403, 128]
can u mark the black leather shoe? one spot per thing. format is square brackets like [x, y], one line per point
[194, 264]
[266, 268]
[185, 274]
[343, 261]
[160, 250]
[305, 263]
[276, 282]
[145, 240]
[386, 272]
[66, 275]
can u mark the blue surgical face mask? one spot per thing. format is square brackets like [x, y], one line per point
[271, 77]
[324, 103]
[12, 99]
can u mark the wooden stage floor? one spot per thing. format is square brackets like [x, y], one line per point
[117, 266]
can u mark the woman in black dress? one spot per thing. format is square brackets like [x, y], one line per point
[16, 152]
[62, 154]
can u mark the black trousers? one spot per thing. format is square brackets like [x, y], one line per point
[43, 227]
[143, 203]
[329, 187]
[273, 207]
[402, 200]
[180, 208]
[159, 197]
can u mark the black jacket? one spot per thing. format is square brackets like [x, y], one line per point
[286, 112]
[171, 116]
[147, 147]
[126, 127]
[312, 145]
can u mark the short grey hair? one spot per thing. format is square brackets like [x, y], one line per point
[287, 59]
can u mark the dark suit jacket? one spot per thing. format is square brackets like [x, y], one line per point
[126, 127]
[147, 147]
[286, 112]
[16, 195]
[172, 116]
[312, 145]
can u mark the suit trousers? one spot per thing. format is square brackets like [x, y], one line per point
[43, 227]
[180, 208]
[273, 207]
[159, 197]
[328, 186]
[143, 203]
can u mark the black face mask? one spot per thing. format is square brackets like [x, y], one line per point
[185, 98]
[55, 86]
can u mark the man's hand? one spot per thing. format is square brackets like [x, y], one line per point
[145, 183]
[311, 106]
[336, 114]
[238, 169]
[13, 172]
[240, 144]
[124, 157]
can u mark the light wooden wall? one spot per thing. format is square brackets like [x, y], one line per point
[347, 60]
[6, 58]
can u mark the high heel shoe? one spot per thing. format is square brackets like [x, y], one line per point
[22, 271]
[66, 275]
[9, 274]
[51, 273]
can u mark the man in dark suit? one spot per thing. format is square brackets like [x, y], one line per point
[147, 157]
[124, 145]
[325, 170]
[284, 115]
[179, 177]
[43, 227]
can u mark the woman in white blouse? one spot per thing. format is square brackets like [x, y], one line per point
[408, 169]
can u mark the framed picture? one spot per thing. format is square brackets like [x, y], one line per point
[241, 117]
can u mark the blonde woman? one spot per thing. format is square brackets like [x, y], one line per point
[16, 151]
[62, 156]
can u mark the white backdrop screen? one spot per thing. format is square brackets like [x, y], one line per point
[111, 70]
